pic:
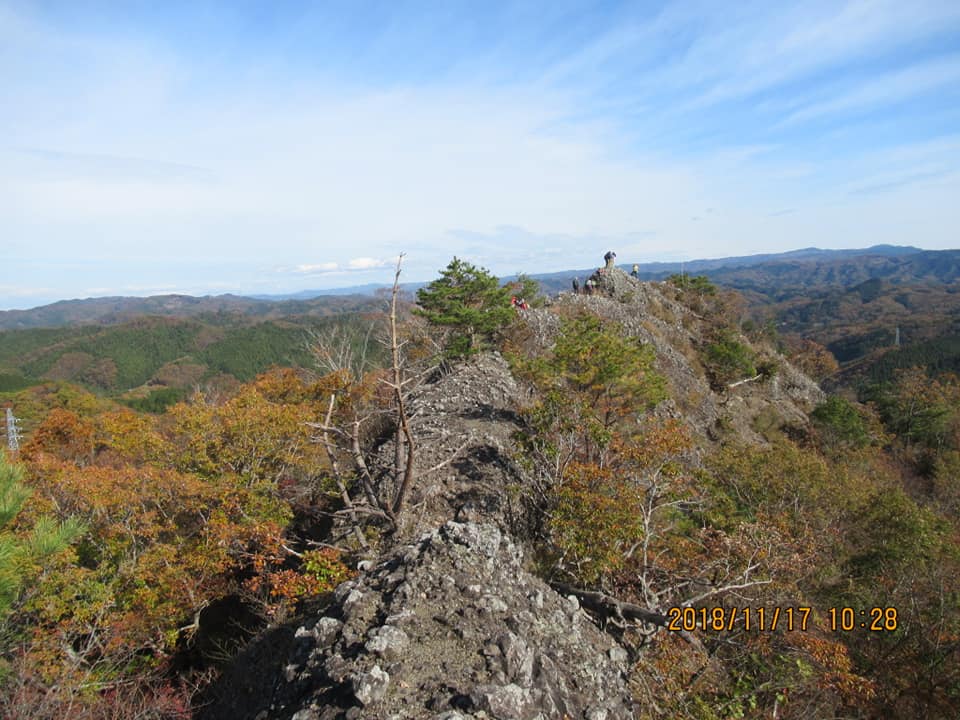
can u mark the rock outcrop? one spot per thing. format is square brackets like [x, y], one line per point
[464, 423]
[452, 626]
[651, 312]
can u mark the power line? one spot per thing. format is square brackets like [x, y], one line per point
[13, 435]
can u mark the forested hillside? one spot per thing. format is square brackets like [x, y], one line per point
[781, 278]
[622, 504]
[113, 310]
[872, 312]
[853, 302]
[809, 269]
[152, 362]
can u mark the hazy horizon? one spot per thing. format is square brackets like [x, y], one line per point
[387, 279]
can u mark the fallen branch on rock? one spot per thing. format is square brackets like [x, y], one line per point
[607, 607]
[747, 380]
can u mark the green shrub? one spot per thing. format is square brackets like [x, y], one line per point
[727, 359]
[696, 283]
[839, 423]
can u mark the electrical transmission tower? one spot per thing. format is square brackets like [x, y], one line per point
[13, 435]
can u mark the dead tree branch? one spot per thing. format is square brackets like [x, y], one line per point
[397, 386]
[747, 380]
[338, 476]
[607, 607]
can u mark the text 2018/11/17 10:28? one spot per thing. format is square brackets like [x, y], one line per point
[762, 619]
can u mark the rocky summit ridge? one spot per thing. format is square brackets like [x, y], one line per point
[450, 622]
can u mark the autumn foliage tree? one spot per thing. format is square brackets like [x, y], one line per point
[182, 511]
[25, 548]
[812, 358]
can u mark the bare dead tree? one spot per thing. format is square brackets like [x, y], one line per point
[338, 475]
[349, 441]
[397, 386]
[341, 437]
[334, 349]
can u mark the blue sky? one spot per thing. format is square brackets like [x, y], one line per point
[247, 147]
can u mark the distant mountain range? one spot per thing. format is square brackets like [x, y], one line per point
[555, 281]
[775, 276]
[784, 278]
[660, 270]
[886, 305]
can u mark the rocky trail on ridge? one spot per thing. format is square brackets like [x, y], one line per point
[452, 626]
[450, 623]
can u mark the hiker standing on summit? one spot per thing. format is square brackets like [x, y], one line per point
[610, 257]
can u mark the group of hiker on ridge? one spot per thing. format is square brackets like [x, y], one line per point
[592, 283]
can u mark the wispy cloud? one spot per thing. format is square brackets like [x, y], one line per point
[883, 90]
[772, 46]
[899, 181]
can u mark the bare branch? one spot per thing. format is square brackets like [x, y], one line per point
[334, 349]
[338, 476]
[327, 428]
[366, 479]
[720, 590]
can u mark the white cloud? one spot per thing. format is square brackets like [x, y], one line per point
[317, 268]
[732, 51]
[365, 263]
[336, 268]
[775, 48]
[378, 172]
